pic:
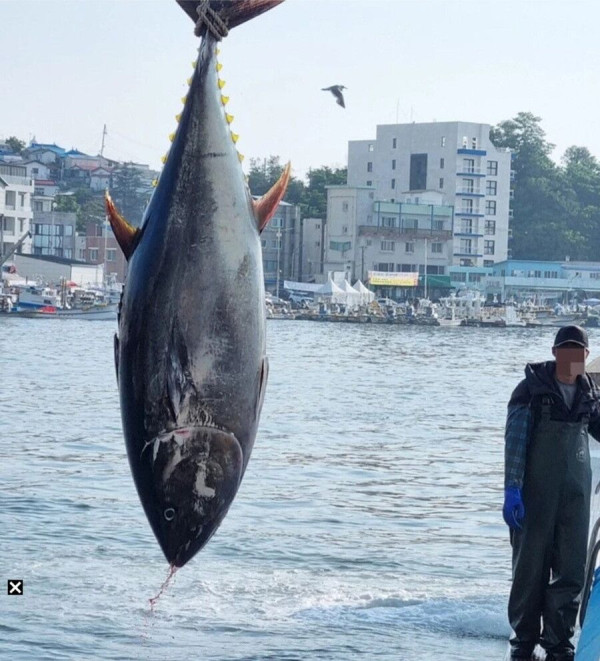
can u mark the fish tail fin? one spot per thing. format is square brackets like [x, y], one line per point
[265, 208]
[231, 12]
[125, 233]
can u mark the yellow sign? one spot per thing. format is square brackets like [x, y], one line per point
[393, 278]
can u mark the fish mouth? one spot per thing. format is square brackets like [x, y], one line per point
[197, 471]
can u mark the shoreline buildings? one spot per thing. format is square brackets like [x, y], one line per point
[430, 199]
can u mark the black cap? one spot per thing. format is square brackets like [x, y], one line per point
[575, 334]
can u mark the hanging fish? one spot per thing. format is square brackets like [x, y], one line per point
[190, 352]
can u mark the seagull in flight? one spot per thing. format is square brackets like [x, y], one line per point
[336, 90]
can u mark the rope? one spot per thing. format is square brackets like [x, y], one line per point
[210, 18]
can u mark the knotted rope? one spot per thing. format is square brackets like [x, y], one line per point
[210, 18]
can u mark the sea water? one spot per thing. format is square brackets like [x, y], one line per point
[368, 524]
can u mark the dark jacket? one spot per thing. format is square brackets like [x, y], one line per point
[540, 383]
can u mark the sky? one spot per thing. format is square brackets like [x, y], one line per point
[69, 67]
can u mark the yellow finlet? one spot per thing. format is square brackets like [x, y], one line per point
[184, 99]
[164, 158]
[228, 118]
[178, 117]
[235, 137]
[194, 63]
[240, 157]
[155, 183]
[171, 137]
[189, 81]
[221, 83]
[217, 51]
[219, 66]
[224, 100]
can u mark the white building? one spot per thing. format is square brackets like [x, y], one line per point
[411, 235]
[458, 160]
[16, 189]
[52, 269]
[312, 250]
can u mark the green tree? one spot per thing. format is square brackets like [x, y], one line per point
[543, 203]
[315, 197]
[16, 145]
[128, 192]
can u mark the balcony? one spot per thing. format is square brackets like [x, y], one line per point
[471, 172]
[472, 213]
[404, 233]
[472, 152]
[469, 191]
[468, 234]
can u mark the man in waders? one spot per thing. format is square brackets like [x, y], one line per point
[547, 495]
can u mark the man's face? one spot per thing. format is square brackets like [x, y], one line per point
[570, 358]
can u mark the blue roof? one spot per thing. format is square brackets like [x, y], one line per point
[75, 152]
[40, 145]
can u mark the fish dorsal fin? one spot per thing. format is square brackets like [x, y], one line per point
[125, 233]
[265, 208]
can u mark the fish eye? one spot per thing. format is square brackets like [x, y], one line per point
[169, 514]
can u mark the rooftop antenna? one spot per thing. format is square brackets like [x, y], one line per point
[103, 136]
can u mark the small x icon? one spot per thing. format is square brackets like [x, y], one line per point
[15, 587]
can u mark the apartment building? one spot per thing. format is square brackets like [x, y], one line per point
[455, 159]
[16, 189]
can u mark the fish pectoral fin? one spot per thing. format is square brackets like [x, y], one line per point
[125, 233]
[265, 208]
[262, 387]
[116, 345]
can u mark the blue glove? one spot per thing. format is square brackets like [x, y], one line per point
[513, 510]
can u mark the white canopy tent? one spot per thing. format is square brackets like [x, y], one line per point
[366, 295]
[331, 292]
[353, 297]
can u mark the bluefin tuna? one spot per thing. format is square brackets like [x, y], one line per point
[190, 351]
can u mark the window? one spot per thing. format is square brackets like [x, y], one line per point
[38, 206]
[276, 243]
[68, 230]
[394, 143]
[388, 221]
[443, 141]
[318, 244]
[93, 254]
[318, 226]
[467, 206]
[490, 207]
[369, 183]
[21, 224]
[469, 185]
[409, 247]
[473, 143]
[458, 277]
[465, 142]
[9, 224]
[488, 262]
[344, 206]
[393, 183]
[411, 223]
[10, 199]
[441, 182]
[441, 163]
[436, 248]
[418, 172]
[490, 227]
[437, 225]
[22, 199]
[469, 165]
[263, 243]
[384, 266]
[491, 187]
[111, 255]
[465, 246]
[68, 253]
[35, 171]
[388, 246]
[492, 168]
[488, 247]
[467, 226]
[370, 166]
[371, 147]
[393, 164]
[276, 223]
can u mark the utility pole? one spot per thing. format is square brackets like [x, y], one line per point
[425, 275]
[103, 136]
[1, 234]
